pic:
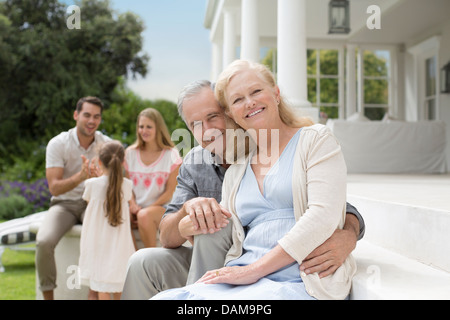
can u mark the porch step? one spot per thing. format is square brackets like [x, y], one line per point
[386, 275]
[403, 254]
[407, 215]
[421, 234]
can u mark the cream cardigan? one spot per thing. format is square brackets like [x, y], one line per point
[319, 181]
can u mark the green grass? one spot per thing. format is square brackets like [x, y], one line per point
[18, 280]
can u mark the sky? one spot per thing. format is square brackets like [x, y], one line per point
[176, 41]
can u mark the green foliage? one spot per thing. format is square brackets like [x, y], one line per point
[119, 121]
[25, 168]
[18, 199]
[376, 88]
[270, 60]
[14, 206]
[46, 67]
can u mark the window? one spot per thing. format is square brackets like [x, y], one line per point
[323, 81]
[426, 84]
[376, 81]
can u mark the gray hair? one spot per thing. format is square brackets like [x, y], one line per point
[191, 90]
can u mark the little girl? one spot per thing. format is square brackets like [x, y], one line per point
[106, 241]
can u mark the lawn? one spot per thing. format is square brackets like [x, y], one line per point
[18, 280]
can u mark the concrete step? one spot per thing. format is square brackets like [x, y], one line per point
[386, 275]
[409, 215]
[404, 252]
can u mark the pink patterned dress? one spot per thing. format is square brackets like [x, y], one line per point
[149, 182]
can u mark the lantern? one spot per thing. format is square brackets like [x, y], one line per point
[339, 16]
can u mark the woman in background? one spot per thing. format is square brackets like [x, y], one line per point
[152, 164]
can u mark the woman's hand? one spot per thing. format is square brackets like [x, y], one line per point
[134, 209]
[272, 261]
[231, 275]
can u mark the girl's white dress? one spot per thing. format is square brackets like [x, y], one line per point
[104, 249]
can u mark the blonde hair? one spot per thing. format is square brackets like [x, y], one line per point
[162, 133]
[287, 114]
[112, 154]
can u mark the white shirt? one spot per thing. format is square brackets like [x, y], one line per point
[64, 151]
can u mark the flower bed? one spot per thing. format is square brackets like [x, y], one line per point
[18, 199]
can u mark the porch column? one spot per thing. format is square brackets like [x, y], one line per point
[292, 73]
[351, 81]
[229, 36]
[249, 31]
[217, 60]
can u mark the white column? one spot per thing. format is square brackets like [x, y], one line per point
[217, 60]
[292, 73]
[351, 81]
[249, 31]
[229, 36]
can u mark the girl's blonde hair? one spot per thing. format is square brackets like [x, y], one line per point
[162, 133]
[112, 155]
[287, 114]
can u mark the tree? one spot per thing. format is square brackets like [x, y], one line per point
[46, 67]
[119, 121]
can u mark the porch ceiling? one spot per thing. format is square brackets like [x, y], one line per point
[405, 22]
[402, 21]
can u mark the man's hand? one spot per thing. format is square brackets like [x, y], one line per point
[94, 169]
[58, 185]
[84, 173]
[329, 256]
[206, 215]
[186, 228]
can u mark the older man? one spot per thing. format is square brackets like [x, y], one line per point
[194, 213]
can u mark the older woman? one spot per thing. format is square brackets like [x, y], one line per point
[286, 199]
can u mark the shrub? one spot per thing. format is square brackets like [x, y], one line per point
[35, 194]
[14, 206]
